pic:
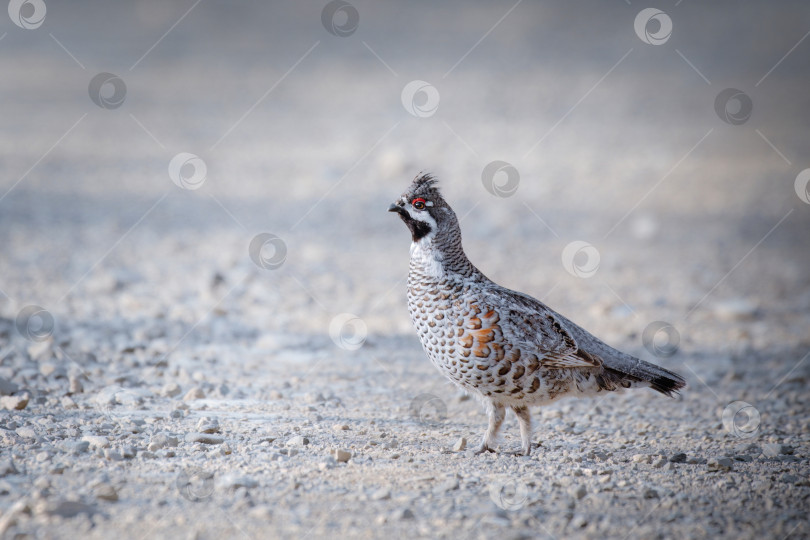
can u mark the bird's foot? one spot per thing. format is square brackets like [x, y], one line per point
[526, 450]
[483, 447]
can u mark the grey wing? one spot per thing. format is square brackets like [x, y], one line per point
[534, 328]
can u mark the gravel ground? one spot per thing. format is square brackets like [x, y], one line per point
[174, 379]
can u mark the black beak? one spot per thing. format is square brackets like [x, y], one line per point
[396, 208]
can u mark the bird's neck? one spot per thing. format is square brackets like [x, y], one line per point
[440, 257]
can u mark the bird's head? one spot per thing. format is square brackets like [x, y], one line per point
[423, 209]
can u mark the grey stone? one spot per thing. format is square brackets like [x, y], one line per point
[76, 447]
[106, 492]
[720, 464]
[342, 456]
[297, 441]
[774, 449]
[204, 438]
[194, 393]
[578, 491]
[97, 441]
[680, 457]
[171, 389]
[69, 509]
[208, 425]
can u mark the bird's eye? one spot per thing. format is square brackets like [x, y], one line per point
[419, 204]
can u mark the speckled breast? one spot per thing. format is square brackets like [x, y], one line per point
[464, 340]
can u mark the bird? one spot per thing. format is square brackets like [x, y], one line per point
[502, 346]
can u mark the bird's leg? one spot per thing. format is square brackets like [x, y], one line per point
[496, 415]
[525, 420]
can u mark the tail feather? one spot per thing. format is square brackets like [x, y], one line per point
[659, 379]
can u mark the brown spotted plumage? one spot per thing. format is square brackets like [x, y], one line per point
[504, 346]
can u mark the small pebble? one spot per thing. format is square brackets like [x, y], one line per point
[297, 441]
[342, 456]
[96, 441]
[720, 464]
[106, 492]
[774, 449]
[14, 403]
[381, 494]
[208, 425]
[69, 509]
[578, 491]
[680, 457]
[460, 445]
[194, 393]
[204, 438]
[170, 390]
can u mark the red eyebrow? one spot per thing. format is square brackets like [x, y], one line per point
[417, 199]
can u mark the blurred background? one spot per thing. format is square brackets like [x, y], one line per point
[305, 126]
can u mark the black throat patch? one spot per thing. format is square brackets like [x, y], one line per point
[419, 229]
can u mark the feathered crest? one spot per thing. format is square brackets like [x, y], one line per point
[425, 180]
[424, 185]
